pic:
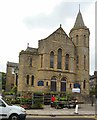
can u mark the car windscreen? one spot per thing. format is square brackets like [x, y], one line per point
[6, 101]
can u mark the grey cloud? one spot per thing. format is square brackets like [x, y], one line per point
[58, 16]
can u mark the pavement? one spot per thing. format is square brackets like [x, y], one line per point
[83, 110]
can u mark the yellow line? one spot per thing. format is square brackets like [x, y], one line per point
[62, 116]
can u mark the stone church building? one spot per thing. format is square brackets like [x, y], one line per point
[60, 63]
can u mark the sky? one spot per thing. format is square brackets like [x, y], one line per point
[27, 21]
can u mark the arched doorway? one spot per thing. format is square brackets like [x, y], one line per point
[63, 84]
[53, 84]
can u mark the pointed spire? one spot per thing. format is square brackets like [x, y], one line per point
[79, 23]
[79, 7]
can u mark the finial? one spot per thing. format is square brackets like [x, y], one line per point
[27, 45]
[60, 25]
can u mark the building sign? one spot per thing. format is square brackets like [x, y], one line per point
[76, 90]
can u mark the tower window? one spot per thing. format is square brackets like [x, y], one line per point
[77, 39]
[84, 84]
[84, 40]
[59, 63]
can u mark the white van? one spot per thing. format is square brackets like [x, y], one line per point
[11, 112]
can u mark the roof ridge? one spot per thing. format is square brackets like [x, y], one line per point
[60, 28]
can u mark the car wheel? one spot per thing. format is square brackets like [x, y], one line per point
[14, 117]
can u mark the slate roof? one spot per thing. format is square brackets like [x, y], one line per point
[79, 23]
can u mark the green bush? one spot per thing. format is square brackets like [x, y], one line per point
[25, 100]
[62, 99]
[9, 93]
[37, 104]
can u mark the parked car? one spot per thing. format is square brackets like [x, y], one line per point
[11, 112]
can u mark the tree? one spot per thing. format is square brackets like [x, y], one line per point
[2, 80]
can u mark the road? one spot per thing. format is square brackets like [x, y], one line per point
[54, 118]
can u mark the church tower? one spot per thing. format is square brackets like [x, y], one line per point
[80, 37]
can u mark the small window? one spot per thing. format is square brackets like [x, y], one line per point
[40, 83]
[70, 85]
[46, 83]
[77, 39]
[84, 84]
[27, 79]
[84, 40]
[32, 82]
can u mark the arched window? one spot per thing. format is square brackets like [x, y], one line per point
[84, 84]
[63, 84]
[59, 63]
[27, 79]
[40, 83]
[76, 85]
[84, 40]
[77, 39]
[52, 59]
[32, 81]
[67, 62]
[53, 83]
